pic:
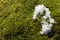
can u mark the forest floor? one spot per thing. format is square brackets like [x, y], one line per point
[16, 21]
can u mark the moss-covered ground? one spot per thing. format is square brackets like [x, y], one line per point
[16, 21]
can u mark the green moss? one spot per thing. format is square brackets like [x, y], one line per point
[16, 21]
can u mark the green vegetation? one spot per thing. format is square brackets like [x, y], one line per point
[16, 21]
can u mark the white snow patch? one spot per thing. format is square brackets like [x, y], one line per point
[46, 27]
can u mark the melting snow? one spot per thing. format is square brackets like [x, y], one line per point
[46, 27]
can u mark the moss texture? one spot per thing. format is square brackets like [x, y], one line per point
[16, 21]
